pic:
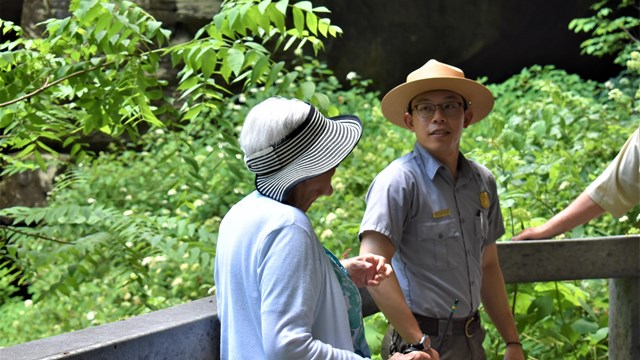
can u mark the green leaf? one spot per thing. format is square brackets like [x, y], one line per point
[298, 21]
[304, 5]
[307, 89]
[188, 83]
[262, 7]
[323, 26]
[234, 60]
[46, 147]
[282, 6]
[583, 326]
[290, 41]
[28, 150]
[323, 101]
[81, 8]
[147, 113]
[153, 26]
[312, 23]
[259, 69]
[321, 9]
[193, 112]
[209, 62]
[233, 16]
[335, 30]
[277, 18]
[274, 73]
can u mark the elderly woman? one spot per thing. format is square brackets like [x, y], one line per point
[280, 293]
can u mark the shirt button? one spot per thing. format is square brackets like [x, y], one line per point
[440, 236]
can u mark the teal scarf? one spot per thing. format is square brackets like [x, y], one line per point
[354, 306]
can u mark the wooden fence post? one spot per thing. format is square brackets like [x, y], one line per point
[624, 318]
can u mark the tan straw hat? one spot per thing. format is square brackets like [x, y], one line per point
[435, 75]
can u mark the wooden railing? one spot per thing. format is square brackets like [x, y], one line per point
[191, 331]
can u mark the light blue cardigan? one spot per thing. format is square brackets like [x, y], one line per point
[278, 296]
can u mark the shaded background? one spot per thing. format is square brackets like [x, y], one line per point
[385, 40]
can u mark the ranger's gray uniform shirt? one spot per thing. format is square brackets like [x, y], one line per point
[439, 228]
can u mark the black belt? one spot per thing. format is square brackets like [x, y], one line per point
[431, 326]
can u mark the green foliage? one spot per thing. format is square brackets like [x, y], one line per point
[98, 71]
[549, 136]
[375, 328]
[562, 320]
[611, 33]
[552, 131]
[238, 45]
[90, 73]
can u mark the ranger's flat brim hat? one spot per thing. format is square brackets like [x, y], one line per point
[435, 75]
[316, 146]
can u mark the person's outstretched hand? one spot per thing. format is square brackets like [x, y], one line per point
[367, 270]
[532, 233]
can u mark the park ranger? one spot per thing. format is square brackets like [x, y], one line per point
[435, 215]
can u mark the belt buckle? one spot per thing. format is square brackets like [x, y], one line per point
[466, 326]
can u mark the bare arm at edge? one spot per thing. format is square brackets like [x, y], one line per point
[579, 212]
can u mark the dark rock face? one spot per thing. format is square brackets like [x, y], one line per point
[10, 11]
[176, 15]
[386, 40]
[28, 188]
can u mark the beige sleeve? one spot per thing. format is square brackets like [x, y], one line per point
[617, 189]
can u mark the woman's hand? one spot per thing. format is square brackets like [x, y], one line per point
[367, 270]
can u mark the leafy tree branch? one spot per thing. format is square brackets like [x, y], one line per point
[14, 229]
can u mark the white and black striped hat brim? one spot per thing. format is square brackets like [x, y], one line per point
[313, 148]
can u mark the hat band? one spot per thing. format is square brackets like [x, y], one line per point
[281, 154]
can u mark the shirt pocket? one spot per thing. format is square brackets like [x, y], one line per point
[438, 240]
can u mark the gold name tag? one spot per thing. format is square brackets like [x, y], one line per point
[484, 200]
[441, 213]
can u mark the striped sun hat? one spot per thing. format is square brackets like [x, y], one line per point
[316, 146]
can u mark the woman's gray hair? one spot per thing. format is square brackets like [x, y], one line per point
[271, 121]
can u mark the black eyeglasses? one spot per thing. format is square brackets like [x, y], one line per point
[428, 110]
